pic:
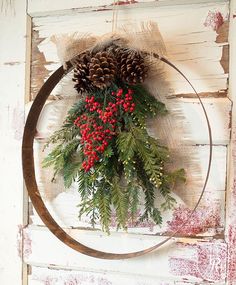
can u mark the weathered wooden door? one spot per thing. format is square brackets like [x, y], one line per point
[196, 36]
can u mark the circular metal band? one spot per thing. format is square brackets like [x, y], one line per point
[31, 184]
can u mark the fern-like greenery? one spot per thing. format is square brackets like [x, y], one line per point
[133, 162]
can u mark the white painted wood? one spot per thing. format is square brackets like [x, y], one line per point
[62, 203]
[199, 257]
[46, 7]
[40, 276]
[186, 118]
[191, 47]
[231, 182]
[12, 81]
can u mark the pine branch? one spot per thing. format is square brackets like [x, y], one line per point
[147, 104]
[70, 172]
[168, 183]
[68, 131]
[134, 192]
[120, 201]
[104, 206]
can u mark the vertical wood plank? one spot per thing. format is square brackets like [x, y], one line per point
[231, 195]
[12, 82]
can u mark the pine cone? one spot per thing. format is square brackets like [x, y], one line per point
[131, 66]
[102, 69]
[81, 72]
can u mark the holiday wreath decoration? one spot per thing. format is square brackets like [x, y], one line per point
[104, 144]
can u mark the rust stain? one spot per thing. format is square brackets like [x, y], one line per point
[223, 33]
[224, 61]
[217, 94]
[38, 63]
[208, 261]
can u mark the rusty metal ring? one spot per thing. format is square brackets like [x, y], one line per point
[31, 184]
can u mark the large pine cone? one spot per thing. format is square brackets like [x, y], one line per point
[102, 69]
[81, 73]
[131, 66]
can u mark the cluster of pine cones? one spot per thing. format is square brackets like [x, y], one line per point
[98, 70]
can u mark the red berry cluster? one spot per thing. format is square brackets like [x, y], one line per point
[125, 100]
[94, 139]
[95, 136]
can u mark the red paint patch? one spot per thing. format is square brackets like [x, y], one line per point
[232, 255]
[205, 261]
[231, 233]
[27, 245]
[214, 20]
[201, 220]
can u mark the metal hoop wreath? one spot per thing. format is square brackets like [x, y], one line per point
[31, 184]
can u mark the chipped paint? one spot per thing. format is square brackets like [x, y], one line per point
[208, 261]
[231, 232]
[232, 254]
[202, 219]
[24, 242]
[73, 279]
[224, 61]
[214, 20]
[217, 94]
[120, 3]
[222, 33]
[19, 240]
[12, 63]
[38, 62]
[198, 266]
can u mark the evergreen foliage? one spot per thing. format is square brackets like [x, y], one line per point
[133, 162]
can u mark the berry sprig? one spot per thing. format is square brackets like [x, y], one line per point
[94, 139]
[97, 132]
[125, 100]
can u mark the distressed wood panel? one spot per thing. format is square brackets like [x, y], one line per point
[193, 158]
[43, 7]
[12, 81]
[182, 259]
[192, 47]
[50, 276]
[186, 118]
[231, 182]
[208, 220]
[200, 49]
